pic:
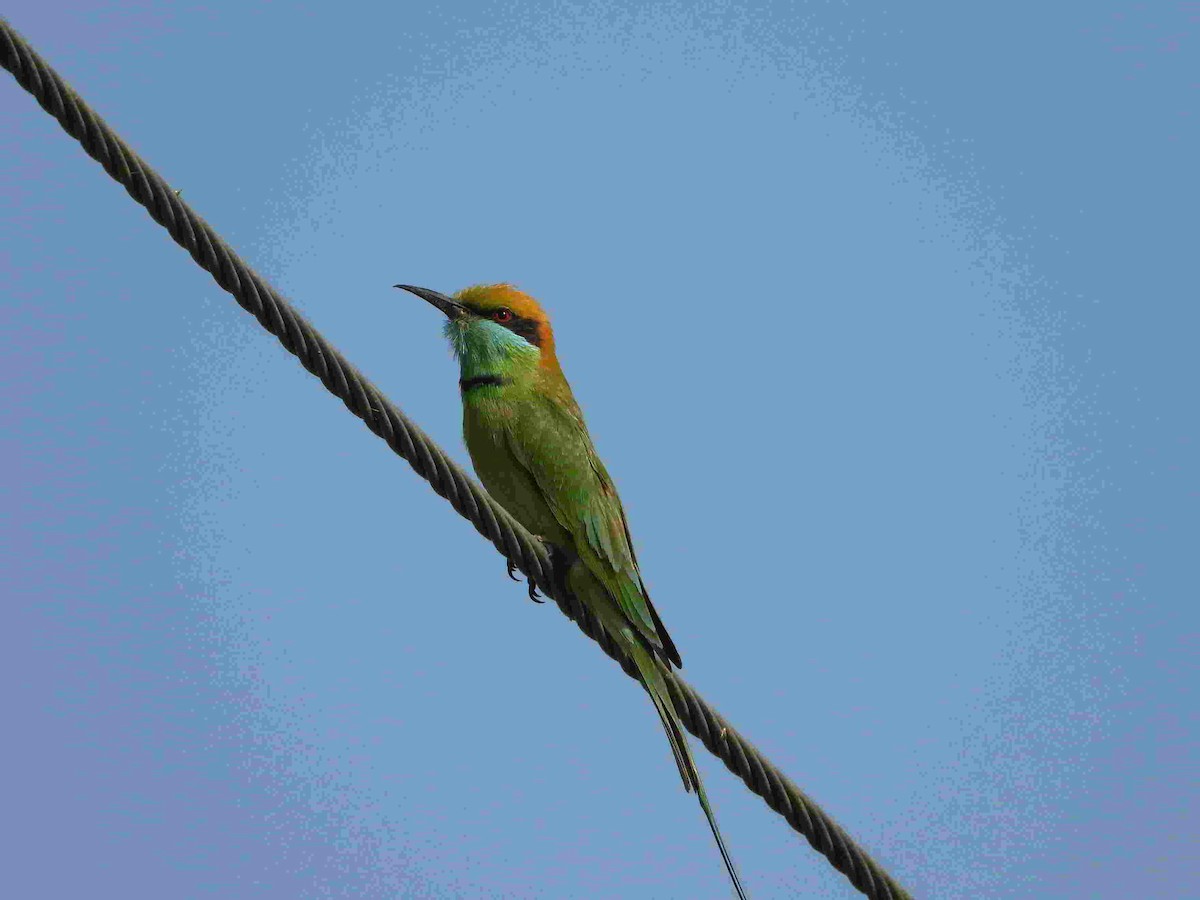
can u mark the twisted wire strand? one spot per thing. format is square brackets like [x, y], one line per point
[363, 399]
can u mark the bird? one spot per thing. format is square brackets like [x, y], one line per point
[528, 442]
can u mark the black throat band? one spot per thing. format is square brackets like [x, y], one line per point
[467, 384]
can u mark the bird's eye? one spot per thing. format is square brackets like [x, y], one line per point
[503, 314]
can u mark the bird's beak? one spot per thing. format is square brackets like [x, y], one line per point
[451, 308]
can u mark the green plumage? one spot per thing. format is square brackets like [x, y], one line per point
[532, 451]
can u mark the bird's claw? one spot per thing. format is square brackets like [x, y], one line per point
[533, 588]
[533, 595]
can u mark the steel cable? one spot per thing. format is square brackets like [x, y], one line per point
[362, 398]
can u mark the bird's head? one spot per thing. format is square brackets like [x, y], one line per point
[493, 325]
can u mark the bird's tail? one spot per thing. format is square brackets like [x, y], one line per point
[656, 687]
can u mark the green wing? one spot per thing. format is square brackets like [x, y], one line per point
[553, 445]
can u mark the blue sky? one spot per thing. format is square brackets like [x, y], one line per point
[883, 317]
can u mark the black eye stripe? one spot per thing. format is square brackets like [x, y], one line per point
[526, 328]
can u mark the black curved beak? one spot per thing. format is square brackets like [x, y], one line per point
[451, 308]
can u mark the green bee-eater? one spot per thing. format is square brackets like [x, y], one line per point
[532, 451]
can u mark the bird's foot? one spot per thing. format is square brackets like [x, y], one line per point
[533, 586]
[533, 595]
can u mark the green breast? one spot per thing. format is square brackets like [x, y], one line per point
[490, 415]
